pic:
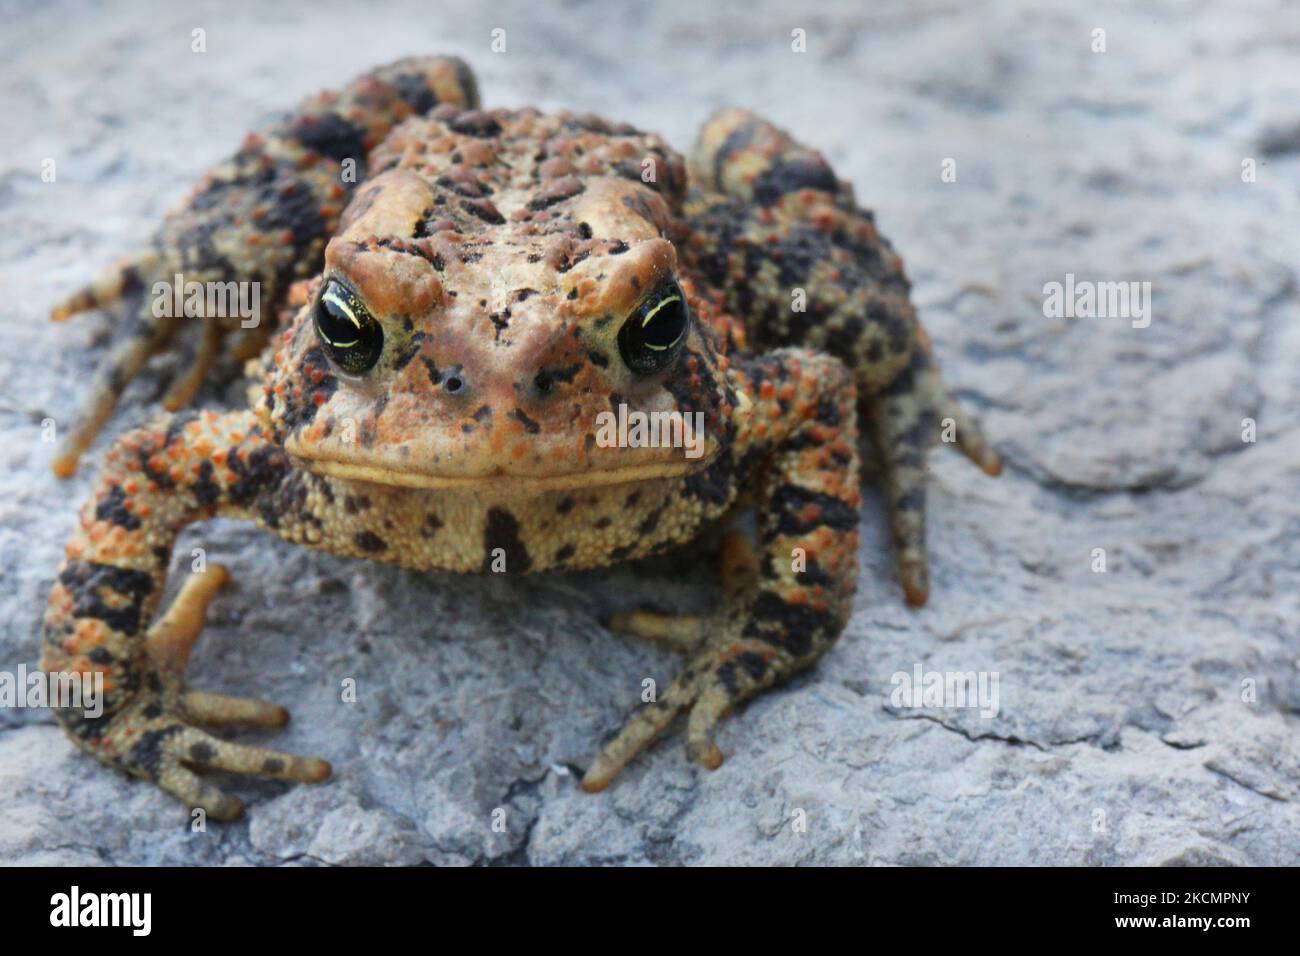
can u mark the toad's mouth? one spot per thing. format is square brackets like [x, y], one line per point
[501, 481]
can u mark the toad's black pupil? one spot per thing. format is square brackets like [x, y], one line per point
[663, 324]
[649, 338]
[349, 335]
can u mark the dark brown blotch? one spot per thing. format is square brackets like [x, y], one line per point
[370, 542]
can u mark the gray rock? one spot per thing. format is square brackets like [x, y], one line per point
[1145, 715]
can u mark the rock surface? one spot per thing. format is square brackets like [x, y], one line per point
[1147, 715]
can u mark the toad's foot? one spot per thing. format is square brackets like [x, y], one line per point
[684, 632]
[156, 736]
[720, 676]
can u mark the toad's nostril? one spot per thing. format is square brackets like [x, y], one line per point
[543, 383]
[451, 380]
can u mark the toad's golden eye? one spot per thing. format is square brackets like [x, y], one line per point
[348, 333]
[652, 335]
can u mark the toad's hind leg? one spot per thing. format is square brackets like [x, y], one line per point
[254, 223]
[771, 225]
[785, 605]
[136, 342]
[903, 419]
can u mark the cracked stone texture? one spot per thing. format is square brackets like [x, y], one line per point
[1122, 735]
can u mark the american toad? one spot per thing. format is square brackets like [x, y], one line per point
[508, 341]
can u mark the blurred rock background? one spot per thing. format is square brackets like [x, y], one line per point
[1122, 735]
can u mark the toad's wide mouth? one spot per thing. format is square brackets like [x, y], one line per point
[504, 482]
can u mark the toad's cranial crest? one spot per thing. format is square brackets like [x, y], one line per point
[458, 328]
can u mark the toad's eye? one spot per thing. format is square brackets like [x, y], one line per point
[651, 335]
[350, 336]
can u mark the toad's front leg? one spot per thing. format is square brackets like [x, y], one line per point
[799, 434]
[155, 482]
